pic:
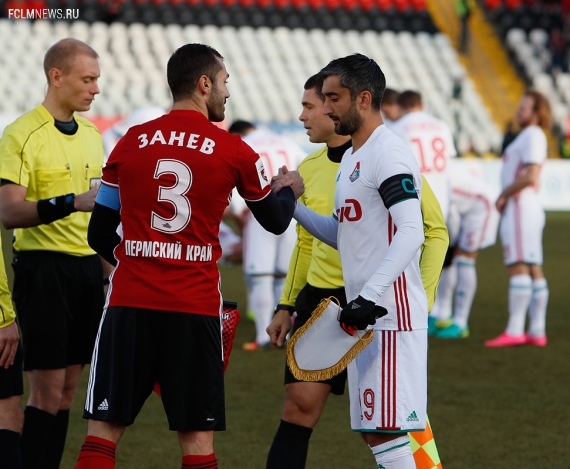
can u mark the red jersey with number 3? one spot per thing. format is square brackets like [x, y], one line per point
[431, 142]
[175, 175]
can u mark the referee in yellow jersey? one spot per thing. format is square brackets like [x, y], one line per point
[315, 273]
[50, 169]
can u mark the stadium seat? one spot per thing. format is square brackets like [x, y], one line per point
[268, 67]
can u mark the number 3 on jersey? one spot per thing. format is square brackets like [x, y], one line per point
[176, 195]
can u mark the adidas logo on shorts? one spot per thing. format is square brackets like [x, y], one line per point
[413, 417]
[104, 405]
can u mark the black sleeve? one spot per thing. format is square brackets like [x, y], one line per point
[274, 212]
[397, 189]
[102, 232]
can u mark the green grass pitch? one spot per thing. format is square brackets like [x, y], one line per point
[489, 408]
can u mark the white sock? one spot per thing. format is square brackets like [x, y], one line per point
[248, 280]
[466, 288]
[443, 306]
[278, 286]
[395, 454]
[537, 323]
[520, 294]
[262, 304]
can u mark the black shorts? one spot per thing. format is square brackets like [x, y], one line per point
[11, 382]
[308, 299]
[59, 299]
[137, 348]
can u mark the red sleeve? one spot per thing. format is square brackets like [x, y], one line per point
[110, 174]
[252, 180]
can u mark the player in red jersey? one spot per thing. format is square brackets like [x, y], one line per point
[161, 324]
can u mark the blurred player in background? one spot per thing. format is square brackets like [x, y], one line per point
[522, 224]
[473, 222]
[315, 273]
[11, 382]
[431, 142]
[390, 109]
[168, 182]
[112, 135]
[50, 169]
[265, 255]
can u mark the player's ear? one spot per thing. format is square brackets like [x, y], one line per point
[55, 77]
[365, 99]
[204, 85]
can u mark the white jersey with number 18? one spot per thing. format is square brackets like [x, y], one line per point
[431, 142]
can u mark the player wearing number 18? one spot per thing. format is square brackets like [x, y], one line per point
[175, 175]
[431, 142]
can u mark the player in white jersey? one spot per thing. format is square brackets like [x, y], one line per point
[265, 255]
[112, 135]
[378, 230]
[522, 224]
[390, 109]
[472, 224]
[431, 142]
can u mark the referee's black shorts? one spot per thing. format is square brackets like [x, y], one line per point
[11, 381]
[308, 299]
[136, 348]
[59, 299]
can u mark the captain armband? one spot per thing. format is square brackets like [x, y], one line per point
[397, 189]
[56, 208]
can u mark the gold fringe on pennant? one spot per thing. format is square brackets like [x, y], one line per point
[326, 373]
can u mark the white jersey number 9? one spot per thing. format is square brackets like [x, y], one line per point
[176, 195]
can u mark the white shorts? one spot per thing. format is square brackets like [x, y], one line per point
[521, 230]
[387, 383]
[473, 223]
[265, 253]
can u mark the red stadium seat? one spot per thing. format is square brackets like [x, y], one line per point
[350, 4]
[315, 4]
[419, 5]
[513, 4]
[298, 3]
[333, 4]
[492, 4]
[402, 5]
[367, 4]
[385, 4]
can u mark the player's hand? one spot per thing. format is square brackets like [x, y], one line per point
[279, 327]
[500, 204]
[286, 178]
[86, 201]
[9, 338]
[359, 314]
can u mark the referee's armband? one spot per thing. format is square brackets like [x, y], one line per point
[56, 208]
[397, 189]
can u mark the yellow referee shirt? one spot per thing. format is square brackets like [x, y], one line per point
[49, 163]
[318, 264]
[7, 314]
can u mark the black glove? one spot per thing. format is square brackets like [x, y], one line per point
[359, 314]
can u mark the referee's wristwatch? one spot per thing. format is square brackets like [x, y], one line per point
[291, 309]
